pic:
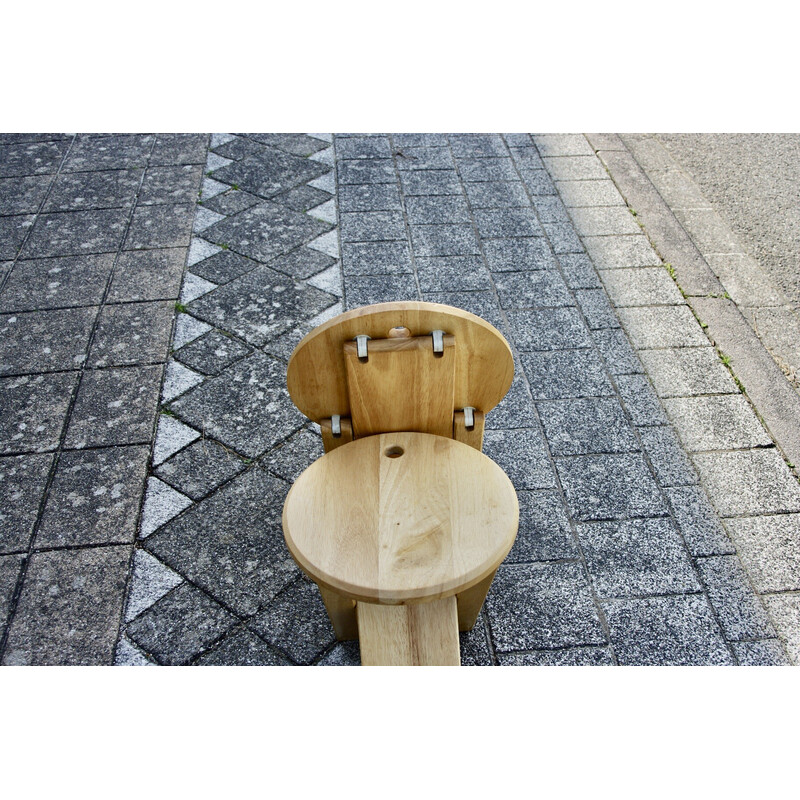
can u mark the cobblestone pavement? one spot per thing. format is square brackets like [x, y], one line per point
[620, 558]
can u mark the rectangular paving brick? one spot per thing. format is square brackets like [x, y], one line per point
[687, 371]
[487, 169]
[444, 240]
[437, 210]
[566, 373]
[22, 485]
[179, 184]
[549, 208]
[369, 197]
[168, 225]
[548, 329]
[75, 191]
[641, 401]
[563, 238]
[77, 233]
[544, 531]
[69, 609]
[662, 326]
[132, 333]
[507, 222]
[601, 192]
[409, 158]
[537, 289]
[575, 168]
[31, 158]
[372, 226]
[95, 152]
[497, 194]
[23, 195]
[522, 454]
[366, 171]
[619, 356]
[430, 182]
[596, 309]
[641, 286]
[518, 255]
[453, 273]
[149, 275]
[375, 258]
[537, 181]
[364, 290]
[578, 270]
[698, 521]
[671, 465]
[619, 252]
[562, 144]
[604, 221]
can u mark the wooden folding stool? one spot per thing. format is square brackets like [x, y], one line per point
[404, 521]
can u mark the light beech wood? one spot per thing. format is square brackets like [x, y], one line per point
[331, 442]
[421, 634]
[474, 436]
[317, 378]
[470, 603]
[401, 386]
[342, 612]
[429, 523]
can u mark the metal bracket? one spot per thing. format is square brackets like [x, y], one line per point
[469, 417]
[438, 342]
[361, 344]
[336, 425]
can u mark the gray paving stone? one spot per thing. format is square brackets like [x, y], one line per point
[419, 140]
[77, 191]
[537, 181]
[739, 610]
[270, 172]
[363, 147]
[180, 625]
[544, 531]
[575, 168]
[487, 169]
[515, 410]
[236, 147]
[94, 498]
[440, 181]
[604, 221]
[549, 208]
[369, 289]
[596, 309]
[32, 411]
[482, 304]
[168, 225]
[518, 255]
[437, 210]
[687, 371]
[231, 544]
[748, 482]
[566, 373]
[376, 258]
[9, 572]
[522, 454]
[723, 422]
[535, 606]
[115, 407]
[298, 144]
[785, 612]
[548, 329]
[699, 523]
[453, 274]
[69, 610]
[569, 657]
[372, 226]
[91, 152]
[444, 240]
[235, 200]
[766, 653]
[518, 140]
[23, 195]
[260, 305]
[31, 158]
[22, 484]
[283, 346]
[200, 468]
[666, 631]
[562, 144]
[590, 193]
[537, 289]
[526, 155]
[641, 401]
[171, 184]
[225, 266]
[212, 353]
[19, 138]
[343, 654]
[563, 238]
[180, 148]
[369, 197]
[76, 233]
[770, 547]
[297, 453]
[619, 356]
[242, 648]
[507, 222]
[584, 426]
[478, 145]
[637, 558]
[366, 171]
[13, 231]
[497, 194]
[147, 275]
[618, 252]
[45, 341]
[669, 461]
[39, 284]
[247, 407]
[296, 622]
[604, 487]
[641, 286]
[475, 648]
[132, 333]
[409, 158]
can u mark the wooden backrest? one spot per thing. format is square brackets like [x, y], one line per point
[402, 384]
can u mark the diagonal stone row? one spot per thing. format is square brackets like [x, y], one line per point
[213, 582]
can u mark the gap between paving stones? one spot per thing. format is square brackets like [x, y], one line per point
[753, 489]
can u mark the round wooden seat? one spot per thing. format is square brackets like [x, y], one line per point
[401, 517]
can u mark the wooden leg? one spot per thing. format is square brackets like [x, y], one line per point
[342, 611]
[471, 602]
[419, 634]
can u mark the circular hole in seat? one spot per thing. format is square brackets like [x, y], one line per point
[395, 451]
